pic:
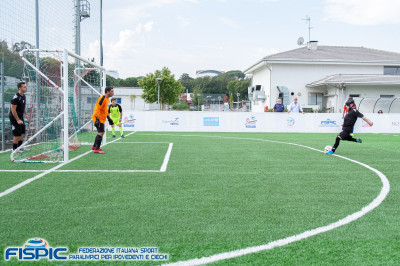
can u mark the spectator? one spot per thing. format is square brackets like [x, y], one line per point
[278, 107]
[295, 107]
[380, 112]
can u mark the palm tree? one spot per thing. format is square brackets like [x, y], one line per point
[132, 97]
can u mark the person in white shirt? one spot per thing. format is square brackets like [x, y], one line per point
[295, 107]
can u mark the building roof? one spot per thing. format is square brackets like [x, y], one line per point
[337, 53]
[334, 54]
[364, 79]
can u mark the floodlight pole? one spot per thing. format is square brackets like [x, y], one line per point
[2, 104]
[238, 94]
[198, 101]
[159, 80]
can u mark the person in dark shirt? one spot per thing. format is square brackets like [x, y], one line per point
[348, 125]
[16, 116]
[278, 107]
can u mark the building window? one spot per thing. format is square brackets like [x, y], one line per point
[386, 96]
[91, 100]
[391, 70]
[118, 100]
[315, 98]
[354, 95]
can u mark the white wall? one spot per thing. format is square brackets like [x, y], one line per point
[262, 77]
[296, 76]
[253, 122]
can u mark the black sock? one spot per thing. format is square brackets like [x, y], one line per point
[98, 142]
[336, 144]
[352, 139]
[19, 143]
[15, 146]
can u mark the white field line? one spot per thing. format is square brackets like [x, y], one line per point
[108, 171]
[142, 142]
[5, 151]
[166, 158]
[27, 171]
[85, 171]
[285, 241]
[26, 182]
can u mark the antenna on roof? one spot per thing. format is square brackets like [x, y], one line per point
[300, 41]
[308, 20]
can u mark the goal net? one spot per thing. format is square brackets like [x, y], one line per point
[62, 91]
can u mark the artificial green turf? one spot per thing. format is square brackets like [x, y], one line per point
[221, 192]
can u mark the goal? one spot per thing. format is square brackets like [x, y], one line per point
[62, 90]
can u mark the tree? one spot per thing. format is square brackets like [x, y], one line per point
[13, 65]
[197, 96]
[187, 82]
[170, 89]
[239, 86]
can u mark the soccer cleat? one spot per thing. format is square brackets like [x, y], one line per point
[99, 151]
[122, 136]
[93, 148]
[113, 136]
[330, 152]
[359, 140]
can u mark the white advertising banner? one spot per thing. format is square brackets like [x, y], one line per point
[253, 122]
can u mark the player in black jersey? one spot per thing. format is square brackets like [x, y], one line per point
[17, 115]
[348, 125]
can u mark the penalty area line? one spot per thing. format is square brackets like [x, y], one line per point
[26, 182]
[166, 158]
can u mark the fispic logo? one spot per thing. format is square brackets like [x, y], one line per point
[35, 249]
[328, 123]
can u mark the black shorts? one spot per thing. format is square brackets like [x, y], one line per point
[16, 128]
[345, 135]
[100, 127]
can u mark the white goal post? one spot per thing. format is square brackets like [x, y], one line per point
[62, 90]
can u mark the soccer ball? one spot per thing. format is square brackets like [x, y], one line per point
[327, 148]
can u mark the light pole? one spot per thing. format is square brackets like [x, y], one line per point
[219, 102]
[238, 94]
[159, 80]
[198, 101]
[208, 97]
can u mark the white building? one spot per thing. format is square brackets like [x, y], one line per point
[129, 98]
[208, 73]
[323, 77]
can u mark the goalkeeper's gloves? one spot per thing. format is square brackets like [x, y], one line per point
[97, 122]
[110, 121]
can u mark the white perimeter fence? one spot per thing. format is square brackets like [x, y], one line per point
[253, 122]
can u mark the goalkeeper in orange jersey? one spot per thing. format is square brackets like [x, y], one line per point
[100, 114]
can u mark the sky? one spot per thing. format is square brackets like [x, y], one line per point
[142, 36]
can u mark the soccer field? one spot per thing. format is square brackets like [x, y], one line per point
[201, 195]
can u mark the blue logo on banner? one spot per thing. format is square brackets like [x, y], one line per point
[35, 249]
[328, 123]
[211, 121]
